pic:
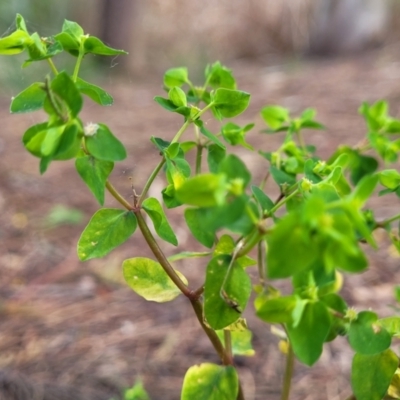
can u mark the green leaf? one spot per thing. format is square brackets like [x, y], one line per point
[390, 178]
[281, 177]
[308, 335]
[107, 229]
[149, 280]
[96, 93]
[102, 144]
[229, 103]
[208, 134]
[371, 374]
[63, 86]
[364, 190]
[361, 165]
[275, 116]
[188, 254]
[73, 29]
[15, 43]
[286, 243]
[95, 174]
[235, 170]
[241, 342]
[235, 135]
[195, 218]
[96, 46]
[70, 142]
[226, 292]
[392, 325]
[275, 310]
[177, 96]
[215, 154]
[136, 392]
[68, 42]
[30, 99]
[33, 138]
[206, 190]
[367, 336]
[20, 23]
[154, 210]
[176, 77]
[219, 76]
[51, 140]
[210, 382]
[263, 200]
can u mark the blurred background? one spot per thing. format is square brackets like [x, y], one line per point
[75, 330]
[162, 33]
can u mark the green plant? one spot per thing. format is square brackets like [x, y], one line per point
[316, 230]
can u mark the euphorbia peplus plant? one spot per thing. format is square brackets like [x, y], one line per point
[310, 234]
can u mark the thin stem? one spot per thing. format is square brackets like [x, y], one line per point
[301, 141]
[228, 342]
[52, 66]
[260, 264]
[161, 256]
[214, 339]
[287, 380]
[181, 130]
[79, 60]
[282, 202]
[199, 154]
[264, 181]
[117, 196]
[198, 292]
[385, 222]
[153, 176]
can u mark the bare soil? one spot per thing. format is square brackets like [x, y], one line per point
[72, 330]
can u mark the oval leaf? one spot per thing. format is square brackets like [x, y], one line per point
[30, 99]
[94, 173]
[149, 280]
[308, 335]
[103, 145]
[230, 103]
[371, 374]
[156, 213]
[210, 382]
[96, 93]
[367, 336]
[107, 229]
[206, 190]
[225, 297]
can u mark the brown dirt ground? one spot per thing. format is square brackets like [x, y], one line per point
[74, 330]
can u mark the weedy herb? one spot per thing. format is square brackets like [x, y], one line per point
[313, 242]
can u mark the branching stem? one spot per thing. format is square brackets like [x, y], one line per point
[160, 256]
[117, 196]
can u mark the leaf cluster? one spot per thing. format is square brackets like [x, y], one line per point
[312, 234]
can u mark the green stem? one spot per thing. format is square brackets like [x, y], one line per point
[301, 141]
[79, 60]
[161, 256]
[214, 339]
[228, 342]
[199, 154]
[385, 222]
[260, 264]
[282, 202]
[117, 196]
[287, 380]
[151, 180]
[181, 131]
[52, 66]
